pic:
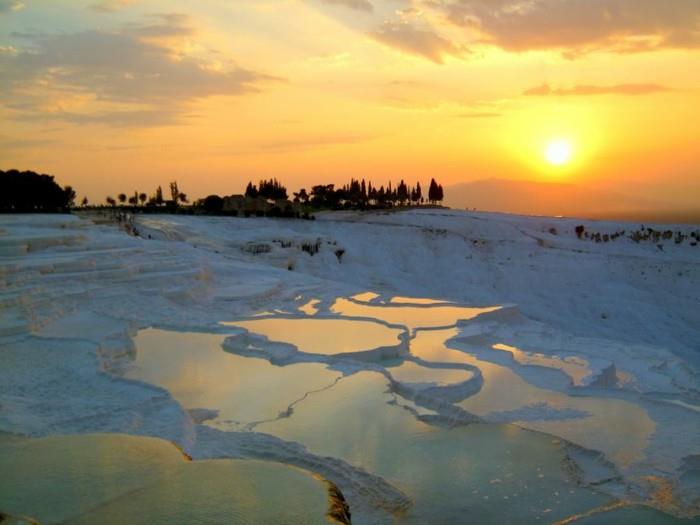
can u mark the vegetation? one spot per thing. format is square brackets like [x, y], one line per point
[30, 192]
[643, 234]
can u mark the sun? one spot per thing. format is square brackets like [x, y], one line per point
[558, 152]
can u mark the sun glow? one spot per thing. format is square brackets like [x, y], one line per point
[558, 152]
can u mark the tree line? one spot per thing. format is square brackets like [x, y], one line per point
[28, 191]
[356, 194]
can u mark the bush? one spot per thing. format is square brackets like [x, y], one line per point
[27, 192]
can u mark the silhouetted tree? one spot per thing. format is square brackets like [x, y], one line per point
[84, 202]
[432, 191]
[213, 204]
[122, 198]
[143, 198]
[251, 191]
[174, 192]
[111, 201]
[31, 192]
[269, 189]
[158, 199]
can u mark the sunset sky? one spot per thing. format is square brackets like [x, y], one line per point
[119, 95]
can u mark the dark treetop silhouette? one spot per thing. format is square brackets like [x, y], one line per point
[29, 192]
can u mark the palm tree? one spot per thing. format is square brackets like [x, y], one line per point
[111, 201]
[143, 198]
[84, 202]
[122, 198]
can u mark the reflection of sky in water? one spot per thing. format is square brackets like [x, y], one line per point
[493, 473]
[411, 317]
[500, 473]
[116, 479]
[324, 336]
[200, 374]
[410, 372]
[577, 369]
[416, 300]
[365, 296]
[616, 427]
[310, 308]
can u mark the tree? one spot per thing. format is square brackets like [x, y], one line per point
[213, 204]
[402, 192]
[28, 191]
[70, 195]
[143, 198]
[440, 193]
[84, 202]
[432, 191]
[271, 189]
[419, 194]
[174, 192]
[111, 201]
[122, 198]
[159, 196]
[251, 191]
[301, 196]
[133, 200]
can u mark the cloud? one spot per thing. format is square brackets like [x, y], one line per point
[9, 6]
[410, 39]
[483, 114]
[360, 5]
[9, 143]
[110, 6]
[578, 26]
[137, 74]
[588, 90]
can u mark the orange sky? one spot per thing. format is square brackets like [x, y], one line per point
[123, 95]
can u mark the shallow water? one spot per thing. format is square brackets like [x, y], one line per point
[410, 372]
[616, 427]
[411, 317]
[577, 369]
[324, 336]
[199, 374]
[497, 472]
[115, 479]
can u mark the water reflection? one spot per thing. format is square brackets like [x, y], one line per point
[577, 369]
[411, 317]
[116, 479]
[490, 473]
[618, 428]
[324, 336]
[199, 374]
[417, 300]
[410, 372]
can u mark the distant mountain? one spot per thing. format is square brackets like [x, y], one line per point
[553, 199]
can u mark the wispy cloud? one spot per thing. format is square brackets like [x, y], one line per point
[110, 6]
[424, 42]
[140, 71]
[578, 26]
[361, 5]
[482, 114]
[589, 90]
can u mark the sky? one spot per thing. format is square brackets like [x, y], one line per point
[115, 96]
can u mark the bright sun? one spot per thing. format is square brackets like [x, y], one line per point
[558, 152]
